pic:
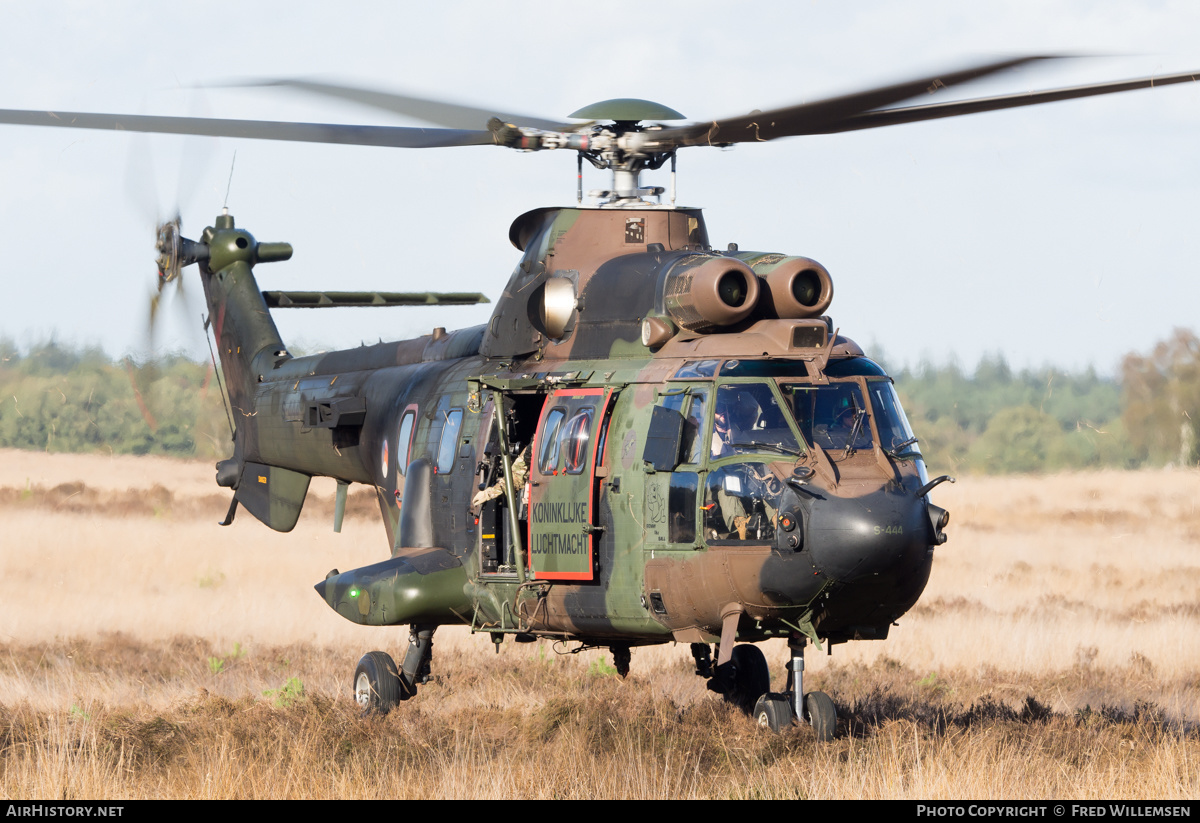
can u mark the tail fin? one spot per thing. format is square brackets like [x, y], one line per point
[247, 338]
[248, 345]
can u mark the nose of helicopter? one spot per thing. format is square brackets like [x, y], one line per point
[887, 532]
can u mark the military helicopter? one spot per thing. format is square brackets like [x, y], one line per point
[650, 441]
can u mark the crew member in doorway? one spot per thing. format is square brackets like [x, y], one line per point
[520, 473]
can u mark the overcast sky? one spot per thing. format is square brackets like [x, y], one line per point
[1063, 233]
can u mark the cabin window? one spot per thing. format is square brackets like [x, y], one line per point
[449, 442]
[404, 440]
[577, 434]
[548, 445]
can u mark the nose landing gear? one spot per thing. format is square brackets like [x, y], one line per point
[746, 681]
[775, 711]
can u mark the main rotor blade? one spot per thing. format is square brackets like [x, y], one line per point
[823, 115]
[449, 115]
[933, 111]
[391, 136]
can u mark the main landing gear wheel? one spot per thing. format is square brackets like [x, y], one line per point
[376, 683]
[822, 715]
[751, 677]
[773, 711]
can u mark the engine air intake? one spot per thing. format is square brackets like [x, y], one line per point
[702, 293]
[799, 287]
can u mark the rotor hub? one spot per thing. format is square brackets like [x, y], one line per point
[168, 243]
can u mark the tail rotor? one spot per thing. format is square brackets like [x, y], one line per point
[169, 245]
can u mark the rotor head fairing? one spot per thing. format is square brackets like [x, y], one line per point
[626, 109]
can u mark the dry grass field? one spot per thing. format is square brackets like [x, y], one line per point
[147, 652]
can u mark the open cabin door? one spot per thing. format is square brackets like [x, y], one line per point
[562, 500]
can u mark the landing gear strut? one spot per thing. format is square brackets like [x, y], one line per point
[416, 660]
[775, 711]
[744, 680]
[740, 680]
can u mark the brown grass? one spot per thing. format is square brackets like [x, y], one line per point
[1056, 654]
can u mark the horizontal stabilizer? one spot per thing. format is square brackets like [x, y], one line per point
[273, 495]
[335, 299]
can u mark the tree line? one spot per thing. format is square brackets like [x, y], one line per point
[63, 399]
[996, 421]
[990, 420]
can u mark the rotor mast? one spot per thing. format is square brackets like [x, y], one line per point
[626, 147]
[627, 168]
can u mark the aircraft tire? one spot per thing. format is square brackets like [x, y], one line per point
[773, 711]
[751, 677]
[822, 715]
[376, 683]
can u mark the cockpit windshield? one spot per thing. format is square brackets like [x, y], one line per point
[747, 419]
[835, 416]
[845, 415]
[832, 416]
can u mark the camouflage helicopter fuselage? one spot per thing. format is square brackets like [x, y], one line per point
[649, 441]
[618, 357]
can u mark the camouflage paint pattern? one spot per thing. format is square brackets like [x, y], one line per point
[615, 551]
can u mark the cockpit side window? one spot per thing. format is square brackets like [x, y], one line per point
[681, 507]
[895, 434]
[691, 405]
[741, 504]
[693, 443]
